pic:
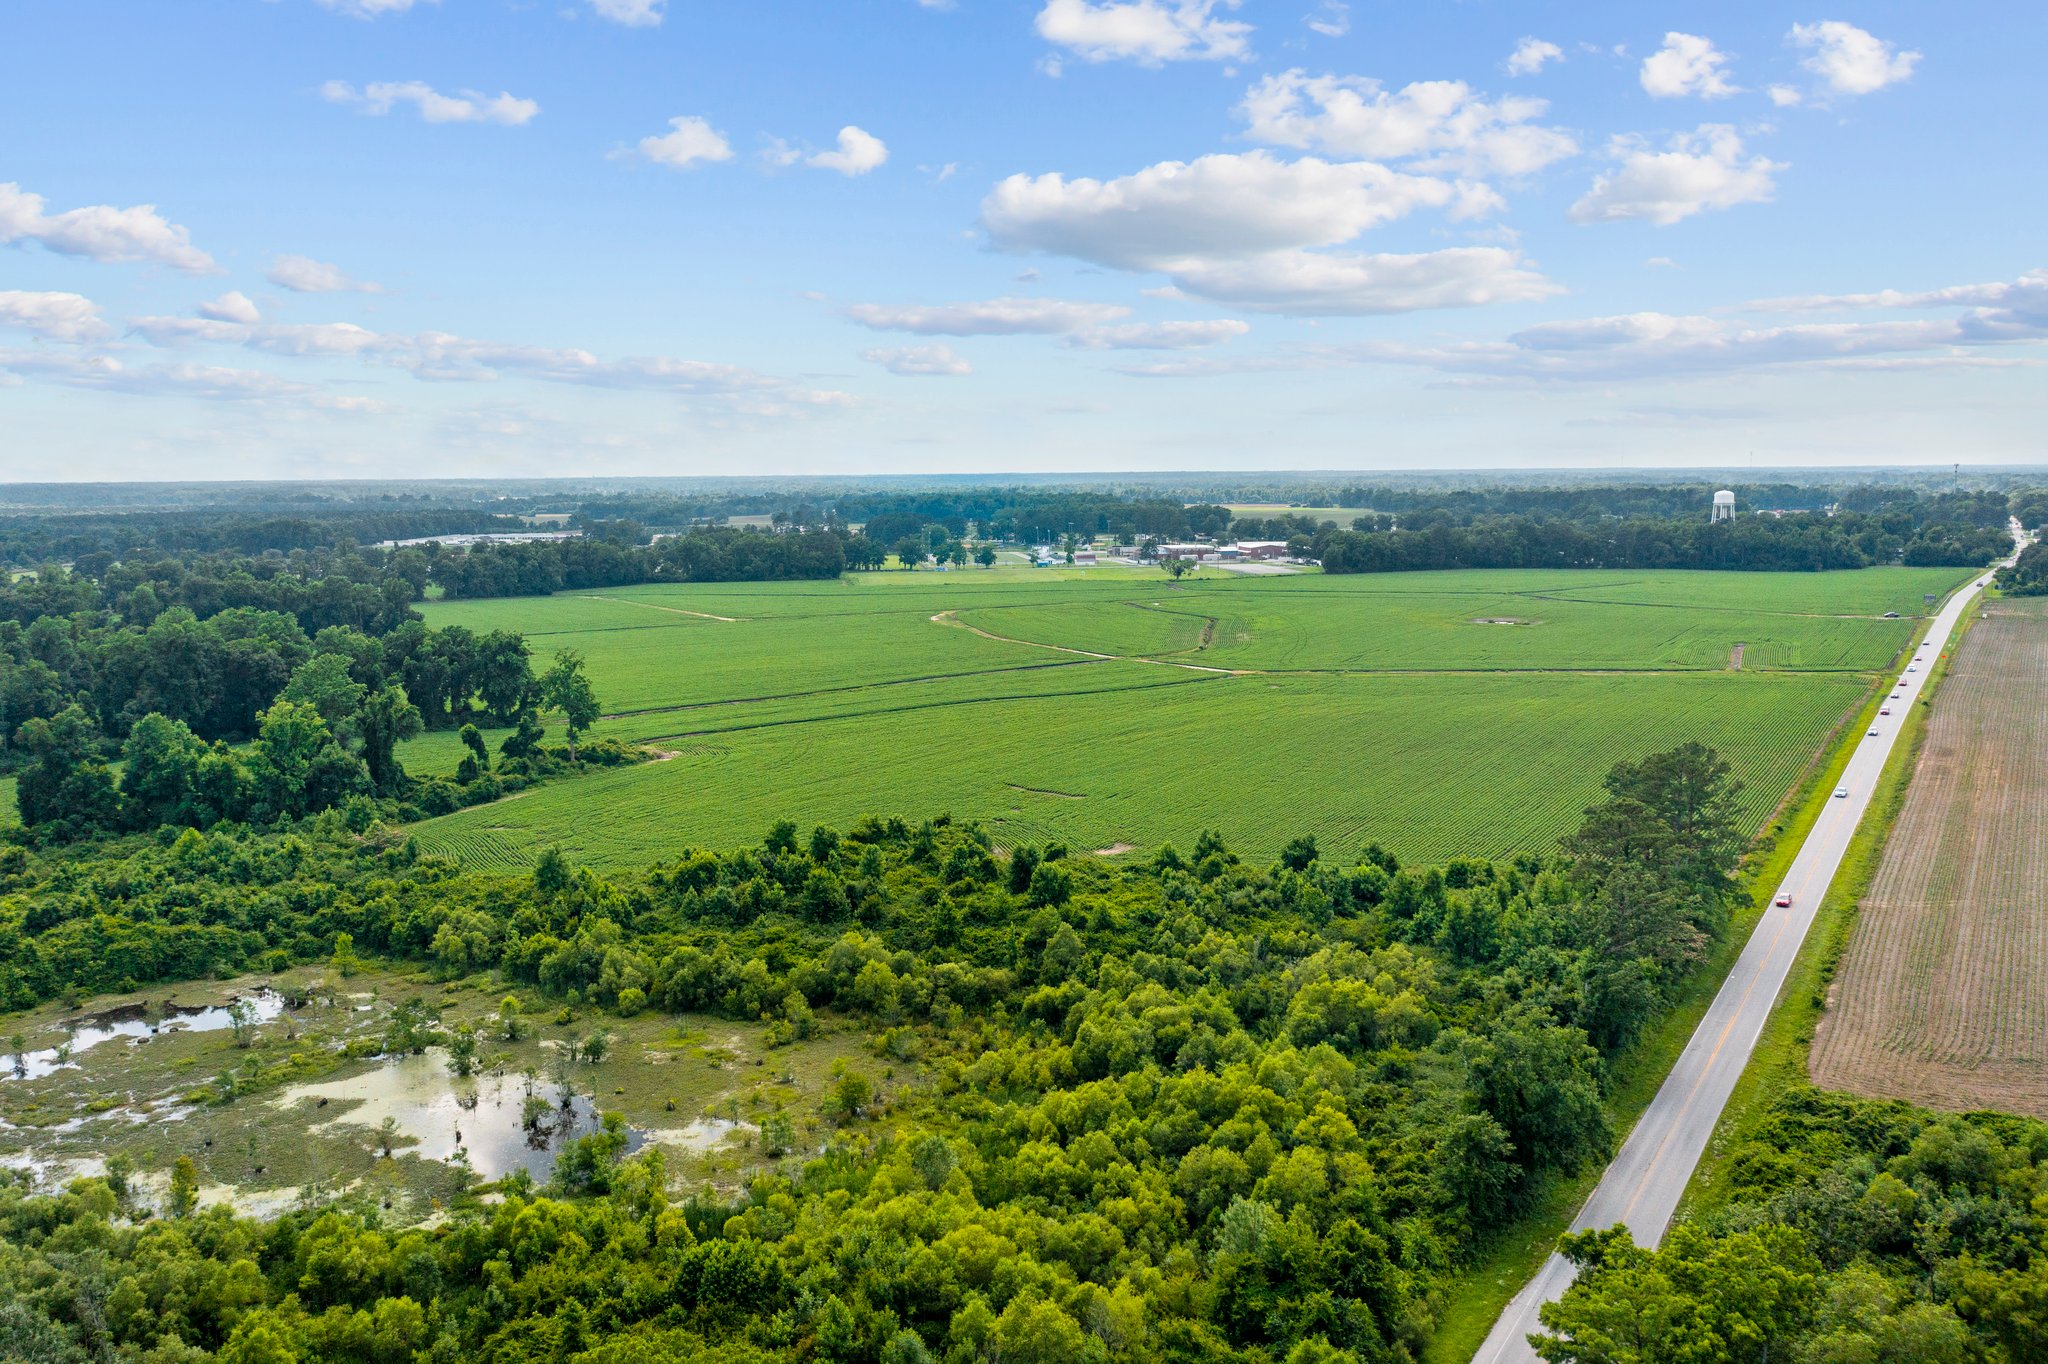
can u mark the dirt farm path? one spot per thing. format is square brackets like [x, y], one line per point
[1942, 994]
[652, 606]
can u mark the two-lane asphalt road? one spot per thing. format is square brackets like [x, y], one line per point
[1642, 1187]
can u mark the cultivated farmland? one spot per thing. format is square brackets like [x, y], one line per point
[1110, 707]
[1942, 994]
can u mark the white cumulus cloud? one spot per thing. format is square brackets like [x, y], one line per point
[631, 13]
[233, 306]
[304, 275]
[858, 152]
[1531, 55]
[1850, 61]
[469, 106]
[100, 232]
[990, 317]
[52, 316]
[1446, 124]
[1700, 170]
[689, 140]
[1148, 32]
[1687, 65]
[1245, 229]
[933, 361]
[1224, 204]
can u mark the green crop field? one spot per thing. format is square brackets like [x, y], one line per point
[1107, 706]
[1433, 766]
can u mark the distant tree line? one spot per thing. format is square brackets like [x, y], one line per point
[167, 665]
[704, 555]
[217, 672]
[327, 739]
[1609, 501]
[372, 592]
[64, 536]
[1774, 544]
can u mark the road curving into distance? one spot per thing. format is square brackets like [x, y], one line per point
[1641, 1188]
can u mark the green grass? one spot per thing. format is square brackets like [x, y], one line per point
[1433, 766]
[10, 812]
[1367, 707]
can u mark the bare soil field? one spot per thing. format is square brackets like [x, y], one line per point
[1942, 994]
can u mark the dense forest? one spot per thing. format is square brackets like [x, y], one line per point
[2028, 577]
[1852, 1231]
[256, 688]
[1194, 1108]
[64, 536]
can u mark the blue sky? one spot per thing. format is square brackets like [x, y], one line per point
[263, 238]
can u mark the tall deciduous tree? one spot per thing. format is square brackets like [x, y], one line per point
[387, 719]
[297, 766]
[65, 780]
[567, 689]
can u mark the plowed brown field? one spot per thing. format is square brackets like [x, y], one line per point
[1942, 994]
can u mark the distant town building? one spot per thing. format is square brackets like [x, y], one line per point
[1187, 551]
[1262, 549]
[1724, 506]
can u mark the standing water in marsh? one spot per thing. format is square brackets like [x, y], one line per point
[485, 1121]
[140, 1022]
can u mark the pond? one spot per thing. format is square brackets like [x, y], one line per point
[480, 1121]
[137, 1023]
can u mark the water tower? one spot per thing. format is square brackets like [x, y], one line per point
[1724, 506]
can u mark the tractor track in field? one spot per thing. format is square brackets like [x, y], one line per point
[1547, 595]
[672, 610]
[908, 707]
[952, 618]
[840, 691]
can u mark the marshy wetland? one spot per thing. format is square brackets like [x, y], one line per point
[294, 1088]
